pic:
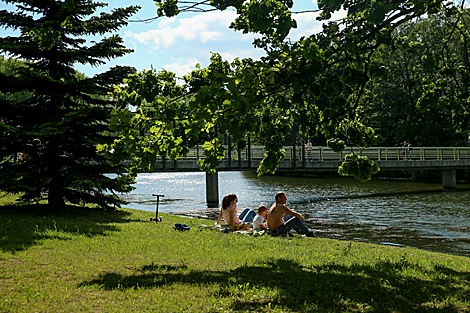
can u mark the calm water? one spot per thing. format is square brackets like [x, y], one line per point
[394, 212]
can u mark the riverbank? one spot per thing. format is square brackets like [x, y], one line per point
[88, 260]
[420, 215]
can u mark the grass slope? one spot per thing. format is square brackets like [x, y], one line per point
[86, 260]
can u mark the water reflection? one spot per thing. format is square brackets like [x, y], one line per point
[395, 212]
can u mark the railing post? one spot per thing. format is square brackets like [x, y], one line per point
[303, 154]
[294, 156]
[229, 140]
[249, 153]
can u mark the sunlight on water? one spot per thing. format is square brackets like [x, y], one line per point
[396, 212]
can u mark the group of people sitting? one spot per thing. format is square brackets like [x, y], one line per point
[280, 218]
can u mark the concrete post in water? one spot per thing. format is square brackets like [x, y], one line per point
[212, 189]
[449, 180]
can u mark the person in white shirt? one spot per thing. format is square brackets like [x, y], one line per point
[258, 221]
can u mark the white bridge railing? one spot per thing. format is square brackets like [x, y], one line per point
[326, 154]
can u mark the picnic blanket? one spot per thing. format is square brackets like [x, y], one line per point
[223, 228]
[255, 233]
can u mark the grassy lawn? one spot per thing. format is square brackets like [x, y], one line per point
[86, 260]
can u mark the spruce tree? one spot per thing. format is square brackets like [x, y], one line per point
[65, 115]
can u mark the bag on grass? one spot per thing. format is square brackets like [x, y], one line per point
[181, 227]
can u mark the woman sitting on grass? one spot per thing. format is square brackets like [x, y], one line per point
[229, 213]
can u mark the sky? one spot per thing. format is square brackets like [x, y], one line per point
[177, 44]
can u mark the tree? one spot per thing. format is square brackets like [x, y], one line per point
[8, 67]
[392, 109]
[447, 63]
[315, 84]
[66, 115]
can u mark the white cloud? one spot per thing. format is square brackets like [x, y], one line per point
[181, 43]
[241, 54]
[181, 69]
[307, 23]
[166, 21]
[211, 26]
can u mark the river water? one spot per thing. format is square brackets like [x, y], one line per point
[414, 214]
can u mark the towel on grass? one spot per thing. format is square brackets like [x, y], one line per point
[222, 228]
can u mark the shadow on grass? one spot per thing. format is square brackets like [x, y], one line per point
[23, 226]
[380, 287]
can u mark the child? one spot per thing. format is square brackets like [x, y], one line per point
[258, 221]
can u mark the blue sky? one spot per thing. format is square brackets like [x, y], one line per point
[179, 43]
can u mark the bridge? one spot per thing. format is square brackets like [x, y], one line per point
[323, 159]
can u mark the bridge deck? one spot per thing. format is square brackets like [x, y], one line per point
[324, 159]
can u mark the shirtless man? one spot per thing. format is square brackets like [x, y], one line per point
[276, 222]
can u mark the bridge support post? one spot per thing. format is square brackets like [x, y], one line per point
[449, 180]
[212, 189]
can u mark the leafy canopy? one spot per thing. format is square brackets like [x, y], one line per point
[313, 85]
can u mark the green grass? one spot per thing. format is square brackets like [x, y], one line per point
[86, 260]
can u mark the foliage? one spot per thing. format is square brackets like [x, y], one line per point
[129, 264]
[447, 64]
[315, 83]
[358, 166]
[64, 115]
[397, 117]
[8, 67]
[315, 86]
